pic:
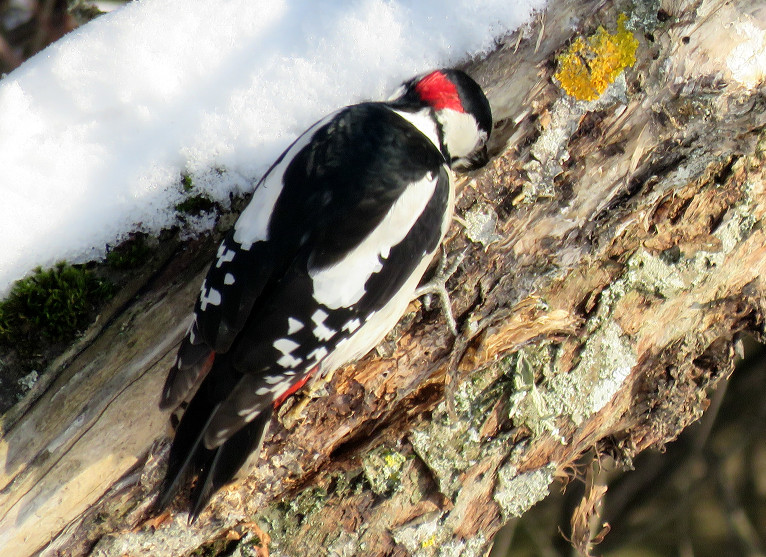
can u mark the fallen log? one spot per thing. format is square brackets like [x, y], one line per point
[614, 251]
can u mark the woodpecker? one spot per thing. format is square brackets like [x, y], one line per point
[319, 266]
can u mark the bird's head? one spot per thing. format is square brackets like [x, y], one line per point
[461, 109]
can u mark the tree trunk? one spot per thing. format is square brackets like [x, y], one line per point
[614, 251]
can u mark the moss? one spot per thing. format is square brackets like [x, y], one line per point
[590, 65]
[52, 304]
[186, 183]
[129, 254]
[195, 204]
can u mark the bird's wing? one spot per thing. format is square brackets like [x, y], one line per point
[362, 203]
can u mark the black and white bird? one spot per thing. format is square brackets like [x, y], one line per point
[319, 267]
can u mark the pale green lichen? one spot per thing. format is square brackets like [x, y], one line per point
[472, 547]
[480, 223]
[527, 404]
[516, 493]
[29, 380]
[606, 360]
[383, 469]
[421, 537]
[604, 365]
[429, 538]
[550, 151]
[448, 447]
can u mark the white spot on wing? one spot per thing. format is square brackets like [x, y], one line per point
[224, 255]
[228, 279]
[342, 284]
[209, 296]
[293, 325]
[288, 360]
[318, 353]
[322, 331]
[285, 345]
[352, 325]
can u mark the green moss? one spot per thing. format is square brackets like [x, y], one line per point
[129, 254]
[186, 183]
[195, 205]
[51, 304]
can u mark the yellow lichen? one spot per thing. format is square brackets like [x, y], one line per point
[428, 542]
[589, 65]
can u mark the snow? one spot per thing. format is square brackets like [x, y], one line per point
[97, 130]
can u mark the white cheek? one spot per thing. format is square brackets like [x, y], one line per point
[461, 134]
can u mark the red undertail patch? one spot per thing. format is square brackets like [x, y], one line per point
[292, 390]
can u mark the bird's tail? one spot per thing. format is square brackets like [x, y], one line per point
[190, 457]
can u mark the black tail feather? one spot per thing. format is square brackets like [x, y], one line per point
[214, 468]
[224, 461]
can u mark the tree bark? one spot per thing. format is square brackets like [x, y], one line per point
[614, 251]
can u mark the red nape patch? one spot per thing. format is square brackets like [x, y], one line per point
[439, 92]
[294, 388]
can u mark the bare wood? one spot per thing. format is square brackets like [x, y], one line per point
[625, 261]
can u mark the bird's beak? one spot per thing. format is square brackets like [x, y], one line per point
[475, 161]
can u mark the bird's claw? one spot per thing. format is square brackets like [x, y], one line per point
[438, 286]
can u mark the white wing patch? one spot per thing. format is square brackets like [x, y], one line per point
[352, 325]
[342, 284]
[208, 296]
[224, 255]
[293, 325]
[286, 346]
[318, 353]
[253, 224]
[322, 331]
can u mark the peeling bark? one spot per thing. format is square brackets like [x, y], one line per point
[614, 255]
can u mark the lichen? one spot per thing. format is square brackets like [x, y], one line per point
[382, 469]
[29, 380]
[605, 361]
[472, 547]
[448, 446]
[527, 405]
[481, 224]
[590, 65]
[516, 493]
[422, 537]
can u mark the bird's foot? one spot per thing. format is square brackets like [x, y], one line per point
[438, 286]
